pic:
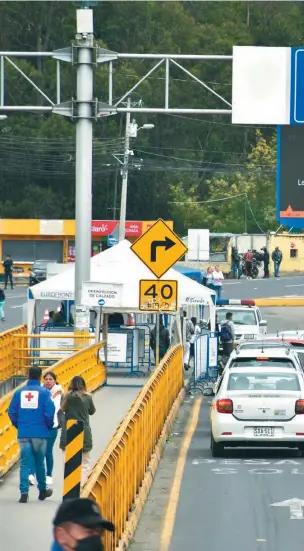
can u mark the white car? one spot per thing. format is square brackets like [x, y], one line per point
[264, 354]
[247, 320]
[257, 407]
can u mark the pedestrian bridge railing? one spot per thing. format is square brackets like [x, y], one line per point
[121, 476]
[8, 364]
[86, 362]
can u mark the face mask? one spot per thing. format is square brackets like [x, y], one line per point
[92, 543]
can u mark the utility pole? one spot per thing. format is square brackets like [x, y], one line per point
[124, 186]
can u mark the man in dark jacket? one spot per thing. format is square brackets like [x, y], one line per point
[266, 263]
[235, 263]
[8, 271]
[277, 258]
[79, 525]
[32, 412]
[164, 339]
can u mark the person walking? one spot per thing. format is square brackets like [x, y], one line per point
[277, 258]
[50, 382]
[248, 263]
[32, 412]
[235, 263]
[79, 525]
[266, 260]
[164, 339]
[2, 302]
[227, 335]
[197, 332]
[188, 332]
[78, 404]
[218, 278]
[8, 271]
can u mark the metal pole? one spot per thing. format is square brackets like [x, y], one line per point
[98, 325]
[84, 137]
[157, 341]
[124, 187]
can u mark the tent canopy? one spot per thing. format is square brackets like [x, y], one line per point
[120, 265]
[196, 275]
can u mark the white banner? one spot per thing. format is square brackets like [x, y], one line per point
[62, 346]
[117, 348]
[82, 317]
[101, 294]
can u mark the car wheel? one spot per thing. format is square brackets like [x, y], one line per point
[301, 450]
[217, 449]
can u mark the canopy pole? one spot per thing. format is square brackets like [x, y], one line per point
[98, 325]
[157, 340]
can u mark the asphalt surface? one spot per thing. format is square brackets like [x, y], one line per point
[286, 286]
[227, 502]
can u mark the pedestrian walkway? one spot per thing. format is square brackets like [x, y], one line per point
[28, 527]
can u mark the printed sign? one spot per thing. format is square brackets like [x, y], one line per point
[117, 348]
[109, 292]
[155, 295]
[29, 399]
[59, 347]
[82, 317]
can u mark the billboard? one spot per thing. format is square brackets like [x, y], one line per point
[290, 176]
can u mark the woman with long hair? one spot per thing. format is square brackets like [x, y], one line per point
[78, 404]
[50, 382]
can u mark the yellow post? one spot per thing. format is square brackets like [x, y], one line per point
[73, 459]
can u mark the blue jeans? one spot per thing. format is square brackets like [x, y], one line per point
[2, 309]
[49, 459]
[236, 270]
[218, 289]
[276, 269]
[32, 450]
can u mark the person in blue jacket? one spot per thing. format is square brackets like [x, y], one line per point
[32, 412]
[79, 525]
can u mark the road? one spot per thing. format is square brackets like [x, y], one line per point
[197, 501]
[287, 286]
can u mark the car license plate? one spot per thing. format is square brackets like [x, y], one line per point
[263, 431]
[249, 336]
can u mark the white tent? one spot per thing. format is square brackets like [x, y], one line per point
[119, 265]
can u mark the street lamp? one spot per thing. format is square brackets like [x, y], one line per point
[131, 132]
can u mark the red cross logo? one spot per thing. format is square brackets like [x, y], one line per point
[29, 396]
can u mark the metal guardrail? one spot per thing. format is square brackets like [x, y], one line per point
[86, 363]
[9, 367]
[118, 475]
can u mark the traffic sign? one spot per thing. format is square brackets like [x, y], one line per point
[101, 302]
[158, 295]
[159, 248]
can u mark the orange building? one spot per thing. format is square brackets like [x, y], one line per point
[29, 240]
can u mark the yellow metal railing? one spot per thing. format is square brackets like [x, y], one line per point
[86, 363]
[26, 354]
[119, 473]
[9, 367]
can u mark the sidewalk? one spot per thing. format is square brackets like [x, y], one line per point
[28, 527]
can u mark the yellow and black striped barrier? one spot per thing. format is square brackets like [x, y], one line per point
[73, 459]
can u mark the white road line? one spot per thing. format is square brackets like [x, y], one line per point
[298, 285]
[18, 306]
[15, 296]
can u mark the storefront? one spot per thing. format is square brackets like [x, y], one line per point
[54, 240]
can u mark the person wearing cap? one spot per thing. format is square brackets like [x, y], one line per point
[78, 526]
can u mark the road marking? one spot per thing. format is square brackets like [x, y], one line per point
[261, 540]
[170, 515]
[297, 285]
[18, 306]
[295, 507]
[15, 296]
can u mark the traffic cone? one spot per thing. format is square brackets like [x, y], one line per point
[46, 316]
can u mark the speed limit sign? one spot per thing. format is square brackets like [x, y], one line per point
[157, 295]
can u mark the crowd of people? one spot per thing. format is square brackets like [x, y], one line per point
[38, 411]
[243, 263]
[213, 279]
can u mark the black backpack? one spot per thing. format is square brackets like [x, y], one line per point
[2, 295]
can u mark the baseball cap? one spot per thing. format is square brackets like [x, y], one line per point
[83, 511]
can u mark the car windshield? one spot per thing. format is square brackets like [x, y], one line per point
[41, 265]
[262, 362]
[265, 381]
[239, 317]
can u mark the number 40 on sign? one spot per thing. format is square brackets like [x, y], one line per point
[156, 295]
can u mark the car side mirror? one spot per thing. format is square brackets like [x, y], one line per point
[208, 391]
[263, 323]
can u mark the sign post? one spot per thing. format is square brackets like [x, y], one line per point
[159, 248]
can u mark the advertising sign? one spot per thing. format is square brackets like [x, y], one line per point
[117, 348]
[290, 176]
